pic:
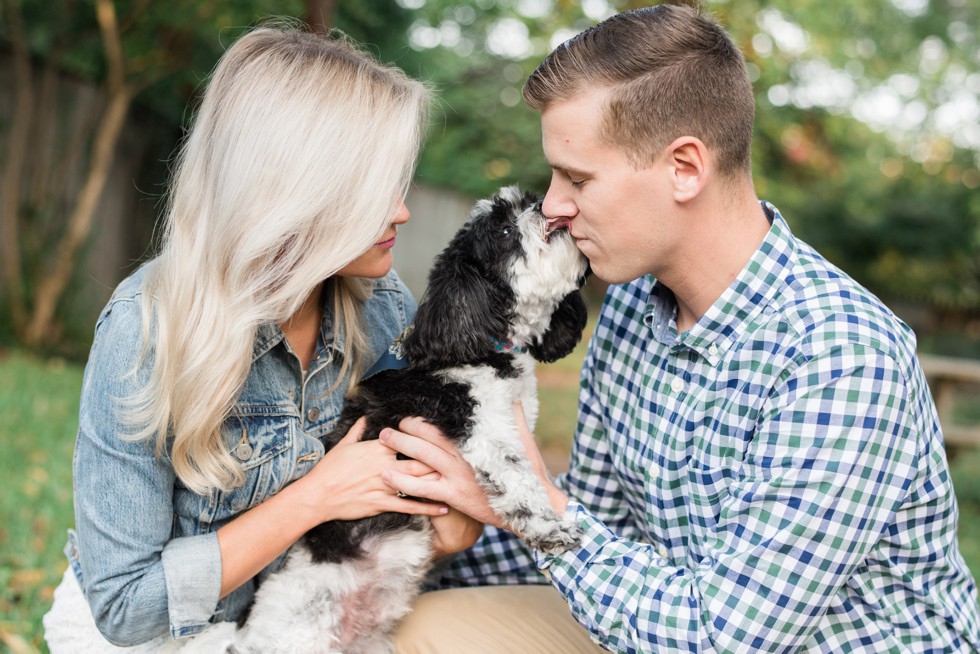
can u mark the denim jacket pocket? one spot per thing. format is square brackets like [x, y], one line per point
[261, 438]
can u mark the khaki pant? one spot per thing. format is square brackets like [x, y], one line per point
[493, 620]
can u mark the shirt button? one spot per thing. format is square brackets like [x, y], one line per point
[313, 414]
[662, 551]
[677, 385]
[713, 350]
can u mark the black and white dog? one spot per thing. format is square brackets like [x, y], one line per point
[503, 293]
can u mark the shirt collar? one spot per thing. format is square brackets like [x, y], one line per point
[752, 291]
[268, 335]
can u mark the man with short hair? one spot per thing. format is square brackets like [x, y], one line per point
[758, 465]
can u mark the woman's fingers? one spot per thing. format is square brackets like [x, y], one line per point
[356, 431]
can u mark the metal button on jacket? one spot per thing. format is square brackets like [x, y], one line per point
[313, 414]
[243, 452]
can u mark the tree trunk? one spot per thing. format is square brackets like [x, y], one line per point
[20, 128]
[119, 98]
[50, 289]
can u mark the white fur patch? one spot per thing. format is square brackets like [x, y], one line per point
[497, 455]
[337, 608]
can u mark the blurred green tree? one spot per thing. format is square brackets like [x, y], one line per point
[867, 132]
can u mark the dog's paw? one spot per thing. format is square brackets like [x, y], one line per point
[562, 538]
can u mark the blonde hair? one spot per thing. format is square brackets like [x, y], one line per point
[672, 71]
[298, 158]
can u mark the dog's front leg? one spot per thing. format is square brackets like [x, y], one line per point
[514, 490]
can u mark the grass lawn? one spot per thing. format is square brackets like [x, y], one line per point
[38, 420]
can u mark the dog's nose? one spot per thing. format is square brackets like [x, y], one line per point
[539, 206]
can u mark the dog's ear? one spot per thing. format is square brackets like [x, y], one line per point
[460, 314]
[564, 332]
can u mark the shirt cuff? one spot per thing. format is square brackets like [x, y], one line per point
[192, 569]
[597, 537]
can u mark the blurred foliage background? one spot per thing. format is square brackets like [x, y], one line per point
[867, 138]
[867, 133]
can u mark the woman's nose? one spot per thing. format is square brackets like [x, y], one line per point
[401, 215]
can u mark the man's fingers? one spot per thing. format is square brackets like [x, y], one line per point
[424, 430]
[414, 468]
[415, 448]
[412, 486]
[415, 507]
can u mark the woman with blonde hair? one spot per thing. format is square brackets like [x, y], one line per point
[218, 365]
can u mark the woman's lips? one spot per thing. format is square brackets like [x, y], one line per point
[389, 243]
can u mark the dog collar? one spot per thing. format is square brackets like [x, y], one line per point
[506, 346]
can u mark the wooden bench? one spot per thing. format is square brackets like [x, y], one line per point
[946, 376]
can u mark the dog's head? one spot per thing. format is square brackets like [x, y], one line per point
[504, 278]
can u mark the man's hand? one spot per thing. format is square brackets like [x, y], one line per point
[558, 499]
[454, 532]
[455, 484]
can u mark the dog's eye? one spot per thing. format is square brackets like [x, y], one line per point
[506, 230]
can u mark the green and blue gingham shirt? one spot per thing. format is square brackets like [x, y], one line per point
[771, 480]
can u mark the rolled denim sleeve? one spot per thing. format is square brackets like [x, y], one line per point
[192, 568]
[139, 582]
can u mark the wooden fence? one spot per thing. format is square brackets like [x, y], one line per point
[950, 380]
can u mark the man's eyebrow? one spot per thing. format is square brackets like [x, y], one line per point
[568, 170]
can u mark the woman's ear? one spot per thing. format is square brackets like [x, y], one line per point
[460, 314]
[690, 165]
[564, 332]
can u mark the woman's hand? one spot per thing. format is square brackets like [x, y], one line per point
[347, 485]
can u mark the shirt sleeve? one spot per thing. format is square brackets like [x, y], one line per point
[592, 479]
[139, 582]
[831, 462]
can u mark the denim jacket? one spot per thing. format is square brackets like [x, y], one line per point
[146, 551]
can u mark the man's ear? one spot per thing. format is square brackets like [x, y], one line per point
[690, 166]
